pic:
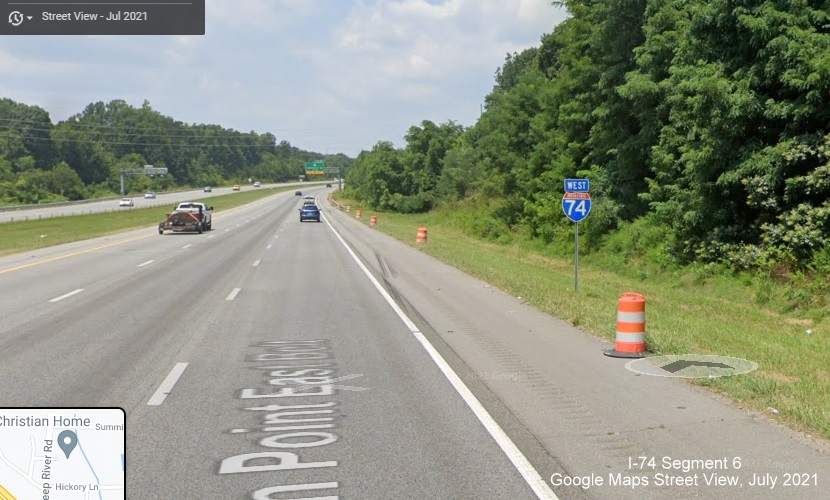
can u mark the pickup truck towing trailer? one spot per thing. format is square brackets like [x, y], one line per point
[188, 217]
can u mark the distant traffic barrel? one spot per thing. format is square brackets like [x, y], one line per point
[631, 327]
[358, 215]
[422, 235]
[373, 220]
[348, 208]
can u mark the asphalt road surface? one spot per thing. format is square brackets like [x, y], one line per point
[273, 359]
[92, 207]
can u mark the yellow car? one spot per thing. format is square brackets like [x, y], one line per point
[236, 187]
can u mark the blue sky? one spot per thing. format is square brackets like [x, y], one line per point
[325, 75]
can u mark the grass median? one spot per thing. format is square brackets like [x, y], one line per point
[23, 236]
[687, 313]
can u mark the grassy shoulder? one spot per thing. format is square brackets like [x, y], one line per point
[22, 236]
[689, 310]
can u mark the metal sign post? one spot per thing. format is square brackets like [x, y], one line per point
[576, 257]
[576, 203]
[148, 170]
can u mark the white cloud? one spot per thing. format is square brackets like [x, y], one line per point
[323, 74]
[268, 14]
[12, 66]
[390, 47]
[183, 49]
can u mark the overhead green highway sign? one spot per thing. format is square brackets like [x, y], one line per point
[315, 167]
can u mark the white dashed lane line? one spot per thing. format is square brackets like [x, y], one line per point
[146, 263]
[167, 385]
[256, 262]
[73, 292]
[233, 294]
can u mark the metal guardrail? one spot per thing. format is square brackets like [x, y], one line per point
[57, 204]
[13, 208]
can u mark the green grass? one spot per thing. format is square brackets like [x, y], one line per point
[22, 236]
[687, 311]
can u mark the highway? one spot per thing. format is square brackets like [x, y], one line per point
[100, 206]
[270, 359]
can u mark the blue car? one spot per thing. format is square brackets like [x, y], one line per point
[309, 212]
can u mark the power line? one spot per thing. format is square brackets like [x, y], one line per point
[172, 145]
[178, 126]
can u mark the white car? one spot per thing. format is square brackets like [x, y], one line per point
[149, 195]
[257, 184]
[126, 202]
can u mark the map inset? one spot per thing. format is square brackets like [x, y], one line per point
[62, 453]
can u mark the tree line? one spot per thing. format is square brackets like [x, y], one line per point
[703, 124]
[82, 157]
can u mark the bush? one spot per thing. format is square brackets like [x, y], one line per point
[413, 204]
[643, 238]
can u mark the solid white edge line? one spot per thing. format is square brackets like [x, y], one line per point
[233, 294]
[73, 292]
[167, 385]
[146, 263]
[519, 461]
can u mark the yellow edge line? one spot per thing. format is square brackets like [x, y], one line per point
[5, 495]
[59, 257]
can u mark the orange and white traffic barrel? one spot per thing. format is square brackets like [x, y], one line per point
[373, 220]
[358, 215]
[422, 235]
[631, 327]
[348, 208]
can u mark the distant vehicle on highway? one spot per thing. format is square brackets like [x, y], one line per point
[208, 189]
[309, 212]
[309, 200]
[237, 187]
[328, 185]
[149, 195]
[257, 184]
[126, 202]
[298, 193]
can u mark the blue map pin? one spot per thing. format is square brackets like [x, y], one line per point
[67, 440]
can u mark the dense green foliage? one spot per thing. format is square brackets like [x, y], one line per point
[704, 122]
[407, 180]
[83, 156]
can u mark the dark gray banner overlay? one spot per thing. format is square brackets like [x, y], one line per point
[102, 17]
